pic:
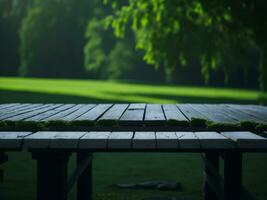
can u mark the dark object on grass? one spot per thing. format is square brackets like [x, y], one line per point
[158, 185]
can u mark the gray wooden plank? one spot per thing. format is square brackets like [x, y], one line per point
[62, 114]
[172, 113]
[246, 140]
[154, 114]
[167, 140]
[213, 140]
[41, 114]
[190, 112]
[39, 140]
[134, 115]
[135, 106]
[261, 115]
[144, 140]
[23, 114]
[95, 112]
[240, 116]
[53, 139]
[94, 140]
[11, 108]
[114, 113]
[12, 140]
[17, 111]
[78, 112]
[7, 105]
[66, 140]
[120, 140]
[188, 140]
[213, 114]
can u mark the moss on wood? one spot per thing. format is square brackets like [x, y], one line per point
[57, 123]
[198, 122]
[107, 122]
[82, 123]
[223, 126]
[29, 126]
[261, 127]
[174, 122]
[248, 125]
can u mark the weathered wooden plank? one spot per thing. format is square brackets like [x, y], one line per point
[10, 108]
[12, 140]
[239, 116]
[60, 115]
[261, 115]
[66, 140]
[135, 106]
[95, 112]
[174, 115]
[154, 114]
[213, 140]
[188, 140]
[246, 139]
[48, 112]
[39, 140]
[14, 107]
[134, 115]
[218, 108]
[21, 110]
[78, 112]
[190, 112]
[213, 114]
[167, 140]
[8, 105]
[144, 140]
[113, 114]
[94, 140]
[53, 139]
[120, 140]
[20, 114]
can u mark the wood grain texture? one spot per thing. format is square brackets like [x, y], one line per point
[94, 140]
[12, 140]
[154, 114]
[120, 140]
[213, 140]
[188, 140]
[53, 140]
[167, 140]
[134, 115]
[246, 139]
[144, 140]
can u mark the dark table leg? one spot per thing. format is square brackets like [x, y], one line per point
[51, 174]
[84, 182]
[211, 176]
[233, 176]
[3, 159]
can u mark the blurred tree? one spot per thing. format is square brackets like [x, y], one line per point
[52, 38]
[11, 14]
[216, 33]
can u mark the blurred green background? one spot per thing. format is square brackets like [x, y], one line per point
[160, 51]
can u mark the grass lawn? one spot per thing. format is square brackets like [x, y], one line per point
[112, 168]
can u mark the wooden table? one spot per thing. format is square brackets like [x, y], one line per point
[87, 128]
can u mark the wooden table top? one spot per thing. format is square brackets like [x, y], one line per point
[135, 117]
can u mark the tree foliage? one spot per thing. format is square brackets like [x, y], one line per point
[216, 33]
[52, 38]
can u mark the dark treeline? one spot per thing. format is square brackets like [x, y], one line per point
[70, 39]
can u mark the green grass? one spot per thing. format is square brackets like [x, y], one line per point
[107, 91]
[112, 168]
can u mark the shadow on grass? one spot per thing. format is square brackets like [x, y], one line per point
[7, 96]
